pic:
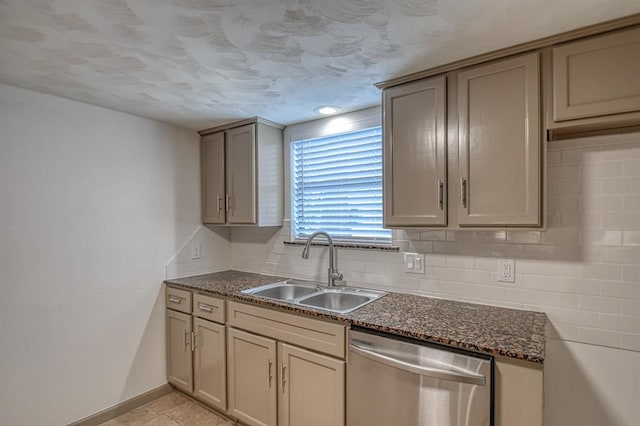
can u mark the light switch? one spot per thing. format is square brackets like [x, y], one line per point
[414, 263]
[195, 251]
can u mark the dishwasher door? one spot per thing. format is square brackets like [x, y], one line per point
[392, 382]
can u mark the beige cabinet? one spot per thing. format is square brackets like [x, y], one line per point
[499, 144]
[597, 76]
[312, 388]
[465, 149]
[252, 378]
[213, 171]
[196, 346]
[272, 379]
[415, 154]
[210, 363]
[242, 174]
[179, 357]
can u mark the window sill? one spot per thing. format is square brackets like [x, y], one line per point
[348, 245]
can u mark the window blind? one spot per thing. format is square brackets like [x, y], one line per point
[337, 186]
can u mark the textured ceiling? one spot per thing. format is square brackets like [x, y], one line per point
[199, 63]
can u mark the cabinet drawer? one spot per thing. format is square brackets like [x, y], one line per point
[178, 300]
[305, 332]
[208, 307]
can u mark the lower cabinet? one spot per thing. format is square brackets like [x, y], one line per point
[272, 380]
[196, 355]
[252, 378]
[209, 363]
[179, 352]
[312, 388]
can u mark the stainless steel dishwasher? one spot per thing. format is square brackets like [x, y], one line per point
[393, 381]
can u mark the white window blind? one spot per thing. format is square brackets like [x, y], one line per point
[337, 186]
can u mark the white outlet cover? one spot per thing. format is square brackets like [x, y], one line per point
[507, 270]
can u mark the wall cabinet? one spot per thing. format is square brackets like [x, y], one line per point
[415, 154]
[196, 355]
[242, 174]
[492, 159]
[499, 143]
[595, 81]
[273, 382]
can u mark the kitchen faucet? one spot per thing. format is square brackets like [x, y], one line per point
[333, 273]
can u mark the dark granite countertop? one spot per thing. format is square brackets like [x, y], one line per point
[500, 331]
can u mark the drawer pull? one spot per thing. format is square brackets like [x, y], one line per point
[174, 299]
[206, 308]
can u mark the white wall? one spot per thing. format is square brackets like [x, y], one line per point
[93, 204]
[584, 272]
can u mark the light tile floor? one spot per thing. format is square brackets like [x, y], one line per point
[170, 410]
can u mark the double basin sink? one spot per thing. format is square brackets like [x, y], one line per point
[315, 295]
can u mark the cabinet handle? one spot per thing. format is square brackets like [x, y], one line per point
[228, 201]
[173, 299]
[463, 192]
[218, 199]
[194, 342]
[269, 365]
[440, 195]
[206, 308]
[187, 338]
[282, 376]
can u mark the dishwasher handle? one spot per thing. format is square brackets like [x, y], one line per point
[469, 378]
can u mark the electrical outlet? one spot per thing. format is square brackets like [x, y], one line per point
[507, 270]
[195, 251]
[414, 263]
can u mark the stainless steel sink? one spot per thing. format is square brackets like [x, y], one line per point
[337, 302]
[285, 290]
[314, 295]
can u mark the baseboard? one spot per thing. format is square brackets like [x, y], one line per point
[124, 407]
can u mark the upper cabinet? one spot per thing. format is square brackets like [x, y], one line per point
[499, 144]
[415, 154]
[242, 174]
[595, 83]
[468, 153]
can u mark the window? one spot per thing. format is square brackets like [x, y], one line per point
[337, 186]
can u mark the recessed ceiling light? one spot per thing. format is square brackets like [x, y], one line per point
[327, 110]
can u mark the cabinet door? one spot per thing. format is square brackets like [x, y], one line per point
[499, 143]
[415, 154]
[179, 359]
[597, 76]
[213, 191]
[241, 174]
[252, 378]
[209, 363]
[311, 388]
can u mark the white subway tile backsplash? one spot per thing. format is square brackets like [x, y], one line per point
[583, 270]
[580, 318]
[461, 262]
[600, 304]
[631, 238]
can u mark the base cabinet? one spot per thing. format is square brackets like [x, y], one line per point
[252, 381]
[179, 353]
[311, 388]
[276, 383]
[196, 355]
[210, 363]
